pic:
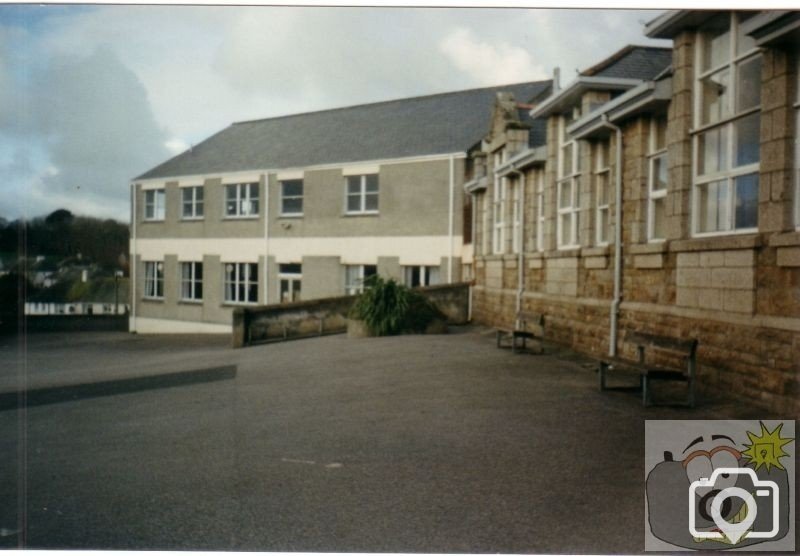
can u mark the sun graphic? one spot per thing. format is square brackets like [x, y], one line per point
[766, 449]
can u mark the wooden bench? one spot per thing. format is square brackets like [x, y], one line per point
[685, 349]
[528, 326]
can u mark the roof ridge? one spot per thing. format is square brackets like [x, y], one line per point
[390, 101]
[618, 55]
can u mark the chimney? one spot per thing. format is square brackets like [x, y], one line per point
[556, 79]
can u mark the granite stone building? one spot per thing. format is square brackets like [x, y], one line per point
[305, 206]
[664, 197]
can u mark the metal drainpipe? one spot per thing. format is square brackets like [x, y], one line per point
[132, 266]
[612, 341]
[266, 239]
[451, 221]
[520, 260]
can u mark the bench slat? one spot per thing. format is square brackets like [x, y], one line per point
[662, 342]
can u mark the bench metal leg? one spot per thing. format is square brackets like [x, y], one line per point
[645, 391]
[602, 372]
[498, 337]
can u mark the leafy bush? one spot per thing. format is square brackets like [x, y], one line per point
[388, 308]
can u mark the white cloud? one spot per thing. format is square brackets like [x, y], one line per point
[176, 146]
[489, 63]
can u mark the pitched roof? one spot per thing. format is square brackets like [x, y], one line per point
[633, 61]
[434, 124]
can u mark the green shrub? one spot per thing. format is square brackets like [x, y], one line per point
[388, 308]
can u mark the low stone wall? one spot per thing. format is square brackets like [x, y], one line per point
[317, 317]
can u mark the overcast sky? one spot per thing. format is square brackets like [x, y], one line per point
[92, 96]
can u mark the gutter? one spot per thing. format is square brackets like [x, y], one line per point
[552, 104]
[612, 341]
[266, 239]
[523, 159]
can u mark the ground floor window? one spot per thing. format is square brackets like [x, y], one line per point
[192, 281]
[421, 276]
[241, 282]
[568, 213]
[154, 280]
[355, 276]
[290, 277]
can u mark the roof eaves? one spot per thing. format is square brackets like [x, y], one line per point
[638, 99]
[478, 184]
[570, 94]
[773, 26]
[671, 22]
[524, 159]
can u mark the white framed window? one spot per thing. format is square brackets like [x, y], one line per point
[354, 276]
[192, 202]
[421, 276]
[362, 194]
[241, 282]
[154, 279]
[499, 192]
[727, 129]
[602, 182]
[292, 198]
[290, 279]
[797, 149]
[241, 200]
[516, 214]
[657, 179]
[192, 281]
[540, 219]
[568, 186]
[154, 204]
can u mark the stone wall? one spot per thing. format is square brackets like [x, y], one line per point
[317, 317]
[738, 294]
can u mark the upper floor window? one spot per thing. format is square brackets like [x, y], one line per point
[657, 179]
[540, 219]
[727, 120]
[354, 276]
[602, 180]
[154, 204]
[568, 187]
[192, 281]
[362, 194]
[154, 279]
[241, 200]
[516, 214]
[192, 202]
[499, 192]
[292, 198]
[241, 282]
[797, 147]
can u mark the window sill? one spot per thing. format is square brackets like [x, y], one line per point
[363, 213]
[154, 220]
[190, 302]
[563, 253]
[192, 219]
[787, 239]
[718, 242]
[599, 251]
[153, 299]
[648, 248]
[291, 215]
[239, 303]
[254, 217]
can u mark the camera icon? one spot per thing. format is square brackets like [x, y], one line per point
[765, 491]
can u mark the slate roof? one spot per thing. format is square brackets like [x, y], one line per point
[636, 62]
[426, 125]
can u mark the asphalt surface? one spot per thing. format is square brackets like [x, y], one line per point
[404, 444]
